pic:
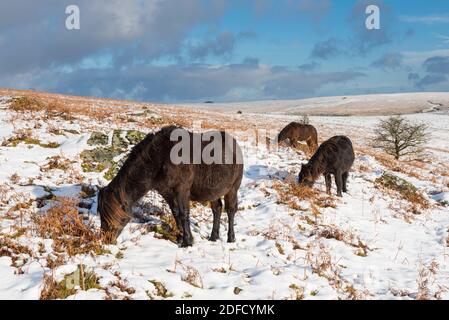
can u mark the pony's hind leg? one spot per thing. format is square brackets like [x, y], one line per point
[328, 179]
[231, 203]
[217, 207]
[339, 183]
[183, 200]
[345, 181]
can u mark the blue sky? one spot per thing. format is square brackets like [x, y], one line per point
[196, 50]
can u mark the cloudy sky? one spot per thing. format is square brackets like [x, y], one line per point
[224, 50]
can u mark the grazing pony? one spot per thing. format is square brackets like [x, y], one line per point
[335, 156]
[300, 132]
[150, 167]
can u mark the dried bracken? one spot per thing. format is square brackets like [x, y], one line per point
[66, 227]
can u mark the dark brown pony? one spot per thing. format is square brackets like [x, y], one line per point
[335, 156]
[300, 132]
[150, 167]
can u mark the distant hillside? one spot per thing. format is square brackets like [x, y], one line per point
[362, 105]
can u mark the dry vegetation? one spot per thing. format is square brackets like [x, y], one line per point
[50, 106]
[82, 278]
[69, 231]
[405, 190]
[291, 194]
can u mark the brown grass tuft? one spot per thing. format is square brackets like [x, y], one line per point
[292, 193]
[65, 226]
[26, 104]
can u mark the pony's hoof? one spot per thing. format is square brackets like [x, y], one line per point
[214, 238]
[231, 239]
[340, 195]
[186, 243]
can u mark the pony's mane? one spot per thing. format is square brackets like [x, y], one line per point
[130, 182]
[318, 161]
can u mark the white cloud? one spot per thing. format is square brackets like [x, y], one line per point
[445, 39]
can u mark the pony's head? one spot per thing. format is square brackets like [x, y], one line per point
[305, 177]
[112, 214]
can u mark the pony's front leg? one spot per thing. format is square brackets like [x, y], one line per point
[231, 204]
[175, 211]
[217, 207]
[339, 183]
[184, 213]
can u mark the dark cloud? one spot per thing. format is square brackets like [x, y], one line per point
[248, 63]
[389, 61]
[128, 32]
[439, 65]
[437, 69]
[363, 40]
[325, 50]
[188, 82]
[431, 79]
[413, 77]
[247, 35]
[222, 45]
[410, 32]
[309, 67]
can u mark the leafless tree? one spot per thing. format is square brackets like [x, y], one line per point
[399, 137]
[304, 120]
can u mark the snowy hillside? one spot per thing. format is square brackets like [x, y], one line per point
[357, 105]
[374, 243]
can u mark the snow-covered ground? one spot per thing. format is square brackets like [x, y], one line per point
[364, 105]
[367, 245]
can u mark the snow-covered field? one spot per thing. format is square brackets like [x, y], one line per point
[370, 244]
[357, 105]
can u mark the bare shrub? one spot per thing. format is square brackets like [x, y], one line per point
[304, 119]
[404, 189]
[399, 137]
